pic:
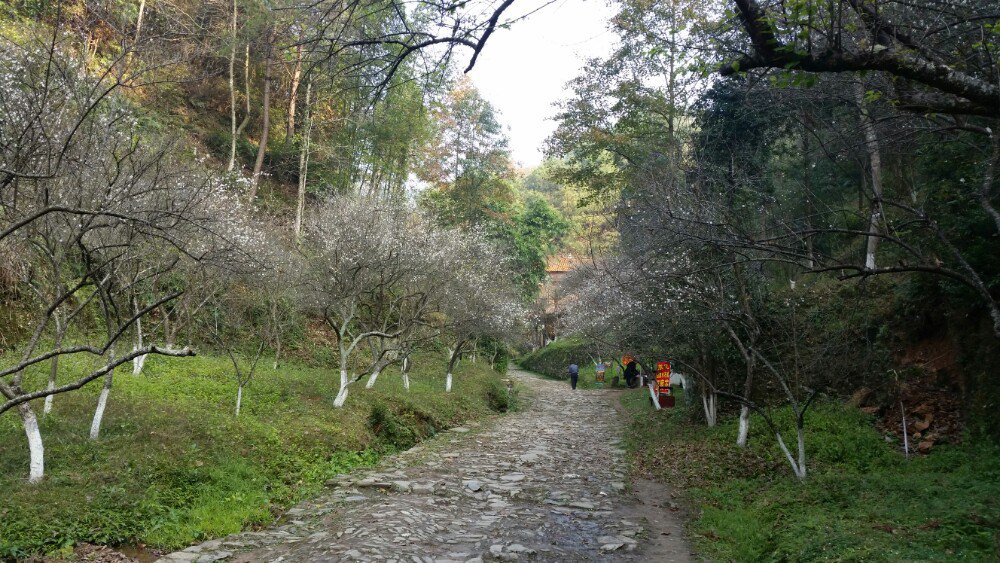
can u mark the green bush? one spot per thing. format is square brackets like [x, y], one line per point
[554, 359]
[499, 398]
[218, 141]
[389, 428]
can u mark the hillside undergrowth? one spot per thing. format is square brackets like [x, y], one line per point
[175, 466]
[862, 500]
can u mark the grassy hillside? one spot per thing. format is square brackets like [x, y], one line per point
[174, 465]
[862, 500]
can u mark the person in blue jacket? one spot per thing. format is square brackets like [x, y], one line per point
[574, 375]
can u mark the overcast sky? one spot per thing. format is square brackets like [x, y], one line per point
[523, 71]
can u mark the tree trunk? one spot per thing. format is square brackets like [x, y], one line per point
[801, 435]
[246, 95]
[102, 403]
[293, 94]
[102, 400]
[406, 373]
[741, 439]
[135, 38]
[36, 449]
[342, 394]
[232, 93]
[798, 467]
[303, 166]
[453, 355]
[54, 364]
[138, 21]
[652, 396]
[708, 402]
[139, 361]
[258, 164]
[169, 329]
[989, 177]
[906, 433]
[239, 398]
[372, 378]
[875, 171]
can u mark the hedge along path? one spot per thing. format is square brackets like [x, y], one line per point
[545, 484]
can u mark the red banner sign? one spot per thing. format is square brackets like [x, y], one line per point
[663, 377]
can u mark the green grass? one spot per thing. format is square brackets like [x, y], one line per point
[862, 500]
[174, 466]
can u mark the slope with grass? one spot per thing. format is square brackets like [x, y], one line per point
[174, 465]
[862, 500]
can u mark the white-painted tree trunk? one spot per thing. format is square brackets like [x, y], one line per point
[139, 361]
[680, 379]
[798, 467]
[48, 398]
[406, 381]
[741, 439]
[653, 397]
[342, 394]
[708, 404]
[239, 399]
[102, 403]
[906, 433]
[372, 378]
[447, 383]
[36, 450]
[875, 170]
[802, 452]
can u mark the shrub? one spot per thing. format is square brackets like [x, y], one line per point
[389, 428]
[554, 359]
[499, 398]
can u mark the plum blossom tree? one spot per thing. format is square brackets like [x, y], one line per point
[356, 263]
[425, 257]
[102, 207]
[383, 276]
[477, 302]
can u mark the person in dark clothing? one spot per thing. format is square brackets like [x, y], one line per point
[631, 374]
[574, 375]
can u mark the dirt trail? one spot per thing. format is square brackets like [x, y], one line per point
[545, 484]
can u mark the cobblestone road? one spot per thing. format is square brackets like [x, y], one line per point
[545, 484]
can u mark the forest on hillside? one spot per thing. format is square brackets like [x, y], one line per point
[792, 201]
[216, 176]
[804, 197]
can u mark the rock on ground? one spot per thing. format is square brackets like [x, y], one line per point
[544, 484]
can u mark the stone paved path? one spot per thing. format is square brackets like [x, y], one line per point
[544, 484]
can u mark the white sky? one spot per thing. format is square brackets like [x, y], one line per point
[522, 71]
